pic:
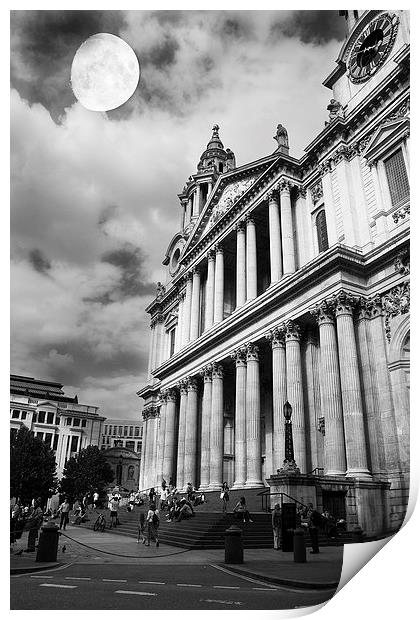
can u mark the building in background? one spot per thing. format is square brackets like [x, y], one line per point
[125, 433]
[61, 421]
[288, 280]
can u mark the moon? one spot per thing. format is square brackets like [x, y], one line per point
[104, 72]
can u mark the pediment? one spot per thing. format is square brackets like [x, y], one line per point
[46, 403]
[384, 137]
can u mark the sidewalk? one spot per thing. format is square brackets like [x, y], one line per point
[84, 546]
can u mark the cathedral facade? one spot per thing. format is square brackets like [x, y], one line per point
[288, 282]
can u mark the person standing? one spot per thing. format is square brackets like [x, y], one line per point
[224, 496]
[314, 521]
[152, 521]
[14, 520]
[64, 510]
[152, 494]
[36, 517]
[96, 499]
[114, 505]
[276, 524]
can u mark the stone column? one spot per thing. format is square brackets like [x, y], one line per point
[381, 378]
[219, 285]
[313, 399]
[276, 337]
[181, 434]
[288, 244]
[276, 267]
[187, 307]
[182, 223]
[191, 433]
[295, 392]
[161, 438]
[196, 202]
[209, 310]
[216, 429]
[329, 379]
[179, 327]
[210, 186]
[169, 448]
[205, 428]
[159, 340]
[240, 418]
[253, 422]
[351, 392]
[151, 349]
[143, 453]
[240, 264]
[155, 454]
[251, 259]
[369, 392]
[195, 305]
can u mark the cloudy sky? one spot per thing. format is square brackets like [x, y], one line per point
[94, 195]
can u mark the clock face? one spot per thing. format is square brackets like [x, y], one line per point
[372, 47]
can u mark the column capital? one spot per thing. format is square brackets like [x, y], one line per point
[158, 318]
[323, 312]
[211, 255]
[188, 275]
[163, 395]
[361, 310]
[181, 296]
[171, 395]
[252, 352]
[325, 167]
[240, 226]
[239, 355]
[310, 337]
[196, 271]
[218, 248]
[150, 412]
[276, 337]
[284, 186]
[217, 371]
[344, 303]
[206, 373]
[183, 386]
[192, 384]
[249, 219]
[273, 196]
[300, 191]
[374, 306]
[292, 331]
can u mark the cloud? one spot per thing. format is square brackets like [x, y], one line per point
[39, 262]
[317, 27]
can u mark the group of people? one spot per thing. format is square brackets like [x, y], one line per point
[26, 517]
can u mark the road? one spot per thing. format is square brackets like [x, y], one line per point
[87, 586]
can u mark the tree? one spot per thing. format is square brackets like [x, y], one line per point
[86, 472]
[32, 466]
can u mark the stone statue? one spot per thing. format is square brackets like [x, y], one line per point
[335, 109]
[160, 290]
[282, 138]
[230, 160]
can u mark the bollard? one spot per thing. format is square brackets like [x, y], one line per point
[234, 551]
[48, 543]
[299, 546]
[357, 534]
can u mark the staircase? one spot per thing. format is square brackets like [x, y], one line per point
[206, 529]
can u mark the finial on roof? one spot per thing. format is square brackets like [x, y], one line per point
[216, 130]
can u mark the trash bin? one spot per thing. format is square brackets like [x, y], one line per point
[48, 543]
[299, 546]
[234, 551]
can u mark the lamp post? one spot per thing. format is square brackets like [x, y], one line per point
[289, 463]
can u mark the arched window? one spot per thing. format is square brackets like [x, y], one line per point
[130, 472]
[321, 231]
[396, 173]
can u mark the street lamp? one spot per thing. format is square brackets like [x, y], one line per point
[289, 463]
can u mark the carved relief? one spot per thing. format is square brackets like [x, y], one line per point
[276, 337]
[317, 192]
[395, 303]
[230, 195]
[252, 352]
[239, 356]
[401, 214]
[402, 262]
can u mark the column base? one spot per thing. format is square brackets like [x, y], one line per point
[203, 488]
[252, 484]
[335, 472]
[237, 485]
[358, 473]
[215, 486]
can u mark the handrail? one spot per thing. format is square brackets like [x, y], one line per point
[316, 469]
[266, 493]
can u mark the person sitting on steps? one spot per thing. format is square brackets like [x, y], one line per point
[241, 512]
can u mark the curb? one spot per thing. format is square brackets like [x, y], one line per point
[308, 585]
[35, 569]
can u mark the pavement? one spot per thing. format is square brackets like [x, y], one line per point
[81, 545]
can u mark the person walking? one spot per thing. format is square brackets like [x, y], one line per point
[152, 521]
[276, 524]
[64, 510]
[15, 517]
[224, 496]
[96, 499]
[140, 536]
[152, 494]
[36, 517]
[241, 511]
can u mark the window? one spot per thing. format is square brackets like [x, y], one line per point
[172, 342]
[41, 417]
[120, 431]
[23, 415]
[15, 414]
[125, 431]
[131, 431]
[68, 421]
[136, 431]
[50, 417]
[115, 430]
[321, 231]
[39, 435]
[34, 417]
[57, 420]
[47, 439]
[129, 445]
[55, 442]
[74, 443]
[396, 173]
[139, 446]
[76, 422]
[106, 429]
[83, 423]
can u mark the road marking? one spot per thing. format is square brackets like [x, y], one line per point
[189, 585]
[240, 576]
[265, 589]
[210, 600]
[134, 592]
[41, 577]
[116, 580]
[229, 587]
[79, 578]
[54, 585]
[157, 583]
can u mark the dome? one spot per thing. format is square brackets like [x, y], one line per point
[214, 155]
